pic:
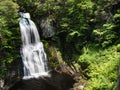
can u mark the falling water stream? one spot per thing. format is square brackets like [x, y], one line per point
[32, 51]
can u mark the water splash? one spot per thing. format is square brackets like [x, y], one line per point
[32, 52]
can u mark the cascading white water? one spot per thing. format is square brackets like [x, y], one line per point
[32, 52]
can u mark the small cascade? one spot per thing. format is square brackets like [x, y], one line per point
[33, 55]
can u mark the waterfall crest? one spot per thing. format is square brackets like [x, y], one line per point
[33, 55]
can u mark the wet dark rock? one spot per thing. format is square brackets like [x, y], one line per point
[57, 81]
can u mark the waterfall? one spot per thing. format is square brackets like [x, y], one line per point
[33, 55]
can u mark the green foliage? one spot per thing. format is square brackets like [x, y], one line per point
[102, 67]
[86, 4]
[105, 35]
[117, 15]
[9, 40]
[72, 35]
